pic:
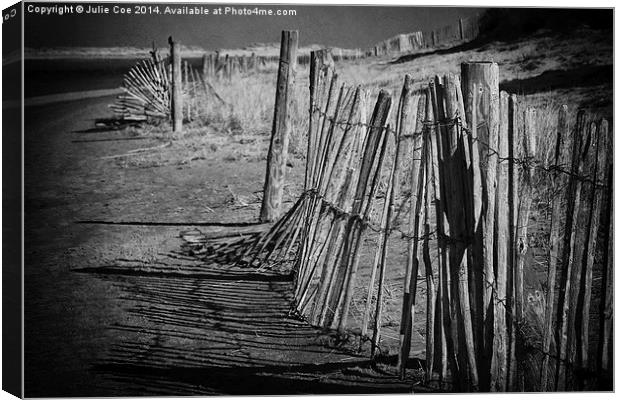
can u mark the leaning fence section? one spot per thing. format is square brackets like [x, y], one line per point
[148, 90]
[485, 330]
[475, 180]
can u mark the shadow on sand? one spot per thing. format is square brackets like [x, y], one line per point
[195, 328]
[473, 45]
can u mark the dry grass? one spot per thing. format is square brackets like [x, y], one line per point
[245, 116]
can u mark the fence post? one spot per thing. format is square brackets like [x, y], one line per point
[461, 29]
[177, 100]
[205, 65]
[499, 360]
[278, 148]
[253, 62]
[480, 86]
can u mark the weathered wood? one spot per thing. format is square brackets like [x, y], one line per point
[330, 187]
[410, 122]
[606, 307]
[600, 148]
[475, 249]
[388, 210]
[528, 143]
[403, 127]
[177, 90]
[499, 360]
[459, 205]
[562, 158]
[578, 276]
[322, 167]
[446, 361]
[324, 113]
[565, 298]
[280, 133]
[363, 196]
[335, 277]
[482, 78]
[205, 65]
[515, 132]
[418, 187]
[431, 296]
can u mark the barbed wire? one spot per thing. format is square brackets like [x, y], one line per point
[527, 162]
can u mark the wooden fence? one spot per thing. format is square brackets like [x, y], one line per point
[148, 91]
[475, 179]
[466, 29]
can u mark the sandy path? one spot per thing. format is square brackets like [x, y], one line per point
[109, 309]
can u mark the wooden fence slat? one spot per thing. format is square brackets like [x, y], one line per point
[447, 361]
[499, 360]
[417, 182]
[402, 118]
[562, 158]
[515, 133]
[582, 214]
[528, 143]
[431, 297]
[364, 195]
[388, 210]
[460, 204]
[606, 307]
[565, 298]
[600, 149]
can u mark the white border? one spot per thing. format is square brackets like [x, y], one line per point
[454, 3]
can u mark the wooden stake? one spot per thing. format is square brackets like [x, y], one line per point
[521, 241]
[418, 184]
[446, 360]
[386, 227]
[515, 132]
[564, 144]
[278, 148]
[431, 295]
[566, 265]
[480, 81]
[606, 307]
[596, 200]
[499, 360]
[403, 112]
[177, 91]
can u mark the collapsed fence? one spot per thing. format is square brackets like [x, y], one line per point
[148, 90]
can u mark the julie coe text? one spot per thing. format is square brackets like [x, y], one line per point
[62, 9]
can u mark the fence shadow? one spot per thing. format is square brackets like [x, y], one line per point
[208, 328]
[474, 44]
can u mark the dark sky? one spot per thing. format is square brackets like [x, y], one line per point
[345, 26]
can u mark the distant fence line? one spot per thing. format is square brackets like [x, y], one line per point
[218, 65]
[465, 29]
